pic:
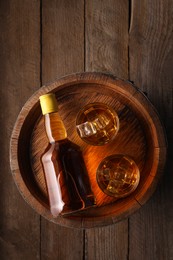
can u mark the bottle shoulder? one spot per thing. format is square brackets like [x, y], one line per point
[67, 144]
[60, 149]
[49, 151]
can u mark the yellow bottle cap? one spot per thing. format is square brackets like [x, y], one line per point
[48, 103]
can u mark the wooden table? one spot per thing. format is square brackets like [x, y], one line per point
[46, 39]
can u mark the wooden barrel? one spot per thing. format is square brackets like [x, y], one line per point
[141, 136]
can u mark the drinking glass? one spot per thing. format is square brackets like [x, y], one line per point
[118, 175]
[97, 124]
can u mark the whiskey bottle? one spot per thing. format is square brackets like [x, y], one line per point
[66, 176]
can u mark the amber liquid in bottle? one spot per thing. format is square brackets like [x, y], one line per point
[66, 175]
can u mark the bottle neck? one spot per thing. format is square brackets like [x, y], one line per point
[55, 128]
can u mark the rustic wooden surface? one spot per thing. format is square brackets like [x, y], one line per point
[42, 40]
[140, 136]
[20, 77]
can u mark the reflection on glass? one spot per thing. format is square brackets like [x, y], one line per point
[118, 175]
[97, 124]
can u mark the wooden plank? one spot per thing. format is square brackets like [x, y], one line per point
[109, 242]
[20, 76]
[106, 24]
[151, 62]
[62, 53]
[63, 38]
[106, 37]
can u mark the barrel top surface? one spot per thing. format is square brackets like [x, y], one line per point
[141, 136]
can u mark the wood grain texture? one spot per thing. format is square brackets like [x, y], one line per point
[61, 243]
[106, 49]
[62, 53]
[62, 38]
[107, 242]
[20, 77]
[151, 62]
[140, 136]
[81, 94]
[106, 36]
[105, 42]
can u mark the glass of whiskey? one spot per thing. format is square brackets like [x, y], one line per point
[97, 124]
[118, 175]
